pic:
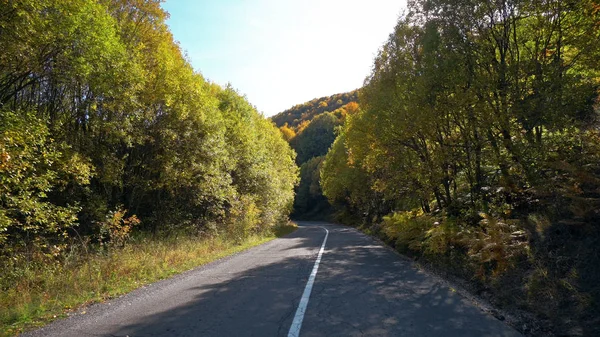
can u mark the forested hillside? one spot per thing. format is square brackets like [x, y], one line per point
[302, 114]
[476, 149]
[106, 131]
[311, 128]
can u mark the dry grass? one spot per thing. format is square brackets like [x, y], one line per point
[46, 290]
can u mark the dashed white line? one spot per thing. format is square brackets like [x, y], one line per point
[297, 323]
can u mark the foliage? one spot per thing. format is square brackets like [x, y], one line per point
[308, 111]
[309, 201]
[107, 133]
[316, 138]
[497, 245]
[408, 229]
[264, 173]
[311, 135]
[287, 132]
[116, 229]
[481, 113]
[343, 182]
[102, 112]
[30, 170]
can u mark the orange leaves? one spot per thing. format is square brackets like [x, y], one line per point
[117, 227]
[352, 108]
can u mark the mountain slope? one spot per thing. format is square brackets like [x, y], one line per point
[310, 128]
[307, 111]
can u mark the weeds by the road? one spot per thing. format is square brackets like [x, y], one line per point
[41, 289]
[546, 277]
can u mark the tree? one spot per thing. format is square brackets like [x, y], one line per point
[32, 167]
[287, 132]
[126, 125]
[309, 199]
[316, 138]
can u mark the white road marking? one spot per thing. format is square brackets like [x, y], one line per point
[297, 323]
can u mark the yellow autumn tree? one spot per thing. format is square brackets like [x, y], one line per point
[287, 132]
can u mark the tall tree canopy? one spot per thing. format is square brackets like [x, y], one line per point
[100, 112]
[477, 145]
[472, 101]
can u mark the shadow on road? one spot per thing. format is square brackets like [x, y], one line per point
[362, 289]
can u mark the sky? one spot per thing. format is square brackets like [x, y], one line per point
[279, 53]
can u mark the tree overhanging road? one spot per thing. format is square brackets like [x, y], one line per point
[361, 289]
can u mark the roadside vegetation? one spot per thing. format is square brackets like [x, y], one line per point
[476, 150]
[118, 162]
[474, 147]
[44, 289]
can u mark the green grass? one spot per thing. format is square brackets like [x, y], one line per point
[45, 291]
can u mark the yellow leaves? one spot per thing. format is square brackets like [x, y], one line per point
[352, 108]
[302, 126]
[4, 159]
[80, 169]
[116, 228]
[287, 132]
[244, 218]
[408, 229]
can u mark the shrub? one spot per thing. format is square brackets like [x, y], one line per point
[31, 167]
[407, 229]
[116, 229]
[496, 245]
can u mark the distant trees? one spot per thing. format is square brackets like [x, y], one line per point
[100, 113]
[309, 197]
[316, 138]
[311, 135]
[287, 132]
[305, 112]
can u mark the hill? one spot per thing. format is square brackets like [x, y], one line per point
[307, 111]
[310, 128]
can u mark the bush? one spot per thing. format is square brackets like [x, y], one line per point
[116, 229]
[407, 229]
[31, 167]
[496, 245]
[243, 220]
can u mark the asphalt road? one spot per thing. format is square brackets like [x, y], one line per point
[361, 289]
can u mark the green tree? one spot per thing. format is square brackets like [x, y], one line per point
[113, 95]
[309, 199]
[316, 138]
[32, 167]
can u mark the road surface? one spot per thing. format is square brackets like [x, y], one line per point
[359, 288]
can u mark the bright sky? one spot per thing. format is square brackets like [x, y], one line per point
[283, 52]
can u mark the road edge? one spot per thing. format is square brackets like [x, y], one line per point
[98, 309]
[455, 284]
